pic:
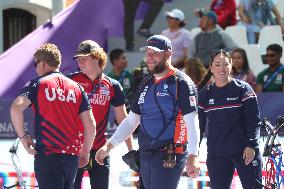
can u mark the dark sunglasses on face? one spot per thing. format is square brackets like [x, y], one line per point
[270, 55]
[36, 63]
[169, 17]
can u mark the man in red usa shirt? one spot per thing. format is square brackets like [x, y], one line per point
[60, 107]
[102, 91]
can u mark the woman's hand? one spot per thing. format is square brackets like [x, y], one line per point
[193, 166]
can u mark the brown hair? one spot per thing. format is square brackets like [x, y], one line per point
[213, 54]
[245, 59]
[101, 56]
[49, 53]
[195, 69]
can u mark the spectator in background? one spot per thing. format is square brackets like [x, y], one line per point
[271, 79]
[195, 69]
[240, 69]
[130, 7]
[119, 72]
[211, 37]
[225, 11]
[255, 14]
[178, 35]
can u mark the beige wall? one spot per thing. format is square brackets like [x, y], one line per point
[42, 9]
[69, 2]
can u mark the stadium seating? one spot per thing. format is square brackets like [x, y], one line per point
[269, 35]
[194, 32]
[254, 58]
[280, 7]
[238, 33]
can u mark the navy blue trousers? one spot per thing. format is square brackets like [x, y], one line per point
[56, 171]
[155, 176]
[221, 170]
[99, 174]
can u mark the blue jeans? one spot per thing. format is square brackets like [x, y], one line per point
[252, 30]
[56, 171]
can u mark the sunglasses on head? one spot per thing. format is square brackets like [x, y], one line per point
[215, 52]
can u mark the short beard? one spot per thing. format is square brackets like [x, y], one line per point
[159, 68]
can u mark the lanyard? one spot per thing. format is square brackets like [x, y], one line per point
[95, 88]
[273, 76]
[121, 78]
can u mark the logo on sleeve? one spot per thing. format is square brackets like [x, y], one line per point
[211, 101]
[191, 90]
[142, 96]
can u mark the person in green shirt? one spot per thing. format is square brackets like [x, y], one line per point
[119, 72]
[271, 79]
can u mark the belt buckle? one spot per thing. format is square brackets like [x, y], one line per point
[170, 159]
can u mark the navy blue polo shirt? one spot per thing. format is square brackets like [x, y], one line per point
[161, 105]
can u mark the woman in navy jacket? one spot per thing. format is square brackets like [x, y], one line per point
[229, 108]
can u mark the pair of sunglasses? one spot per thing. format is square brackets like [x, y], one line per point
[36, 63]
[225, 52]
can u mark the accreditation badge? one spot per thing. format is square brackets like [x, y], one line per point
[278, 79]
[126, 83]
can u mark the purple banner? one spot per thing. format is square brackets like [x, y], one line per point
[271, 105]
[85, 19]
[7, 130]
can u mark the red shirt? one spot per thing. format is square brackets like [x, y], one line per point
[226, 12]
[57, 102]
[102, 92]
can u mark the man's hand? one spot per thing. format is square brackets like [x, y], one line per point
[248, 155]
[102, 153]
[28, 144]
[84, 157]
[193, 166]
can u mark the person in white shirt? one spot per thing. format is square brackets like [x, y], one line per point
[178, 35]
